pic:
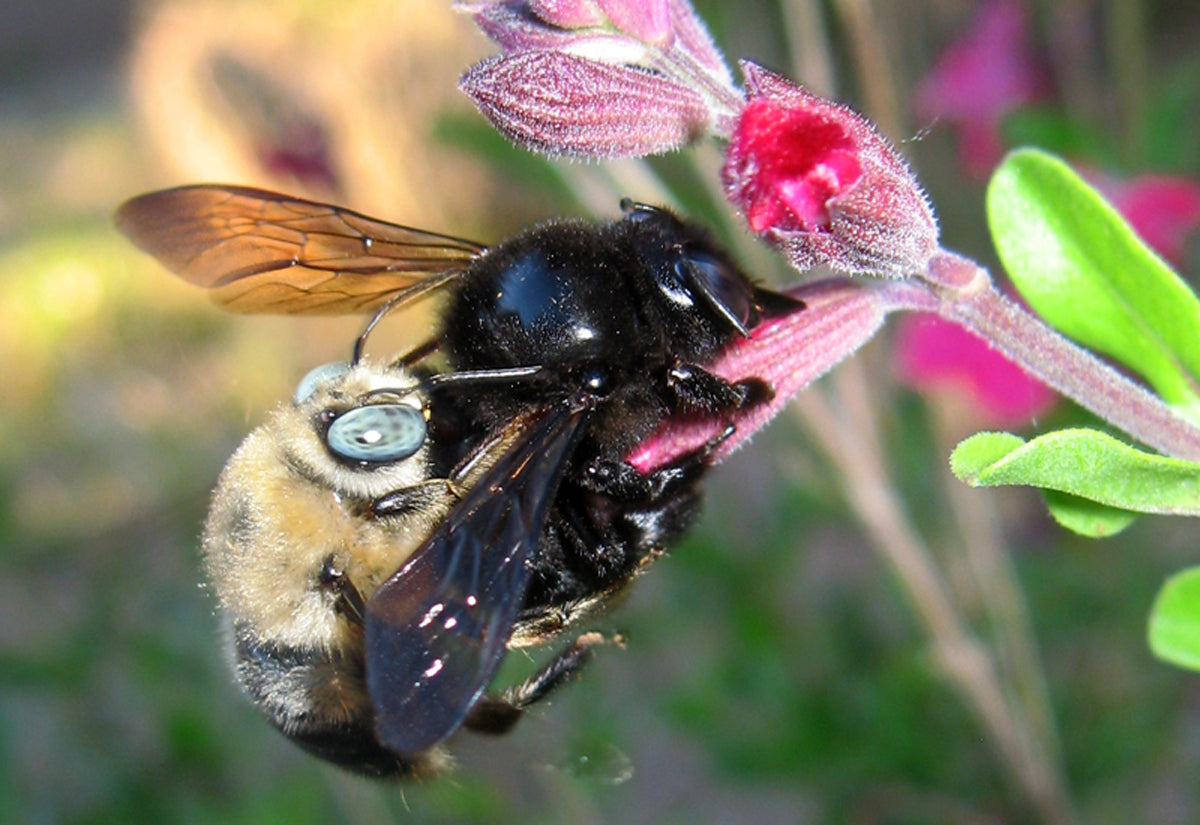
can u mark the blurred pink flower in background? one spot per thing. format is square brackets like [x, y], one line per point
[985, 74]
[932, 354]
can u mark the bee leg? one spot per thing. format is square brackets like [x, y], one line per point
[498, 714]
[419, 498]
[695, 388]
[349, 601]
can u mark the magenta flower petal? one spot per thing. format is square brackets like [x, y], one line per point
[932, 354]
[788, 352]
[815, 179]
[563, 104]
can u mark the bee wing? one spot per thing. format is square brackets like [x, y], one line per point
[437, 630]
[259, 251]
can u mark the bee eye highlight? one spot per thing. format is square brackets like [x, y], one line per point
[324, 374]
[378, 433]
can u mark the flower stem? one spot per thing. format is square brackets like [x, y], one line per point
[846, 432]
[1043, 353]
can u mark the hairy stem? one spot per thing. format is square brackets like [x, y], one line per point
[1062, 365]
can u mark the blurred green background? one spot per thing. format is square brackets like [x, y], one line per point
[783, 665]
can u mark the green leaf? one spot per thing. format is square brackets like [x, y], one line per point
[1084, 463]
[1087, 518]
[1174, 631]
[1084, 270]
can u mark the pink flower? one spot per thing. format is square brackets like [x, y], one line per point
[1163, 210]
[932, 353]
[980, 78]
[789, 352]
[815, 179]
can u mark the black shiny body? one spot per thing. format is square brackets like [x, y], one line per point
[614, 309]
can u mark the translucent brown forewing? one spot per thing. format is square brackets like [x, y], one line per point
[259, 251]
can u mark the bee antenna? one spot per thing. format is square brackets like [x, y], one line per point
[360, 343]
[512, 374]
[420, 289]
[417, 354]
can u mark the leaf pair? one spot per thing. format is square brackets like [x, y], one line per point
[1084, 270]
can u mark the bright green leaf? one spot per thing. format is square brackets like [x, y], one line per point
[1175, 620]
[1087, 518]
[1084, 270]
[1085, 463]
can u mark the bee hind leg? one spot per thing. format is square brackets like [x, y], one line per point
[498, 714]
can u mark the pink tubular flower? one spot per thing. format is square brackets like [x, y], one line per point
[932, 353]
[815, 179]
[980, 78]
[599, 78]
[790, 352]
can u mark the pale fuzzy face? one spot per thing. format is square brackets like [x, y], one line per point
[285, 506]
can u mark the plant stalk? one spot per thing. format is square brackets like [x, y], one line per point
[1045, 354]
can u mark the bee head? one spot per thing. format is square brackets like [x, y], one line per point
[360, 430]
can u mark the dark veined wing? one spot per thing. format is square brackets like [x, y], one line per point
[259, 251]
[438, 629]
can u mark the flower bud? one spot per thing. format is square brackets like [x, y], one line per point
[816, 180]
[560, 103]
[647, 20]
[600, 78]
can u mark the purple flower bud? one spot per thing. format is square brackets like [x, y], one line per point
[815, 179]
[789, 353]
[600, 78]
[560, 103]
[515, 27]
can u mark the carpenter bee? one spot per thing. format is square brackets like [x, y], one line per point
[316, 509]
[565, 346]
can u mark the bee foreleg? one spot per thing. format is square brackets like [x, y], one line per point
[419, 498]
[623, 480]
[349, 600]
[697, 389]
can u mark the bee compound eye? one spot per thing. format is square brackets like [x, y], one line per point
[377, 434]
[324, 374]
[720, 285]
